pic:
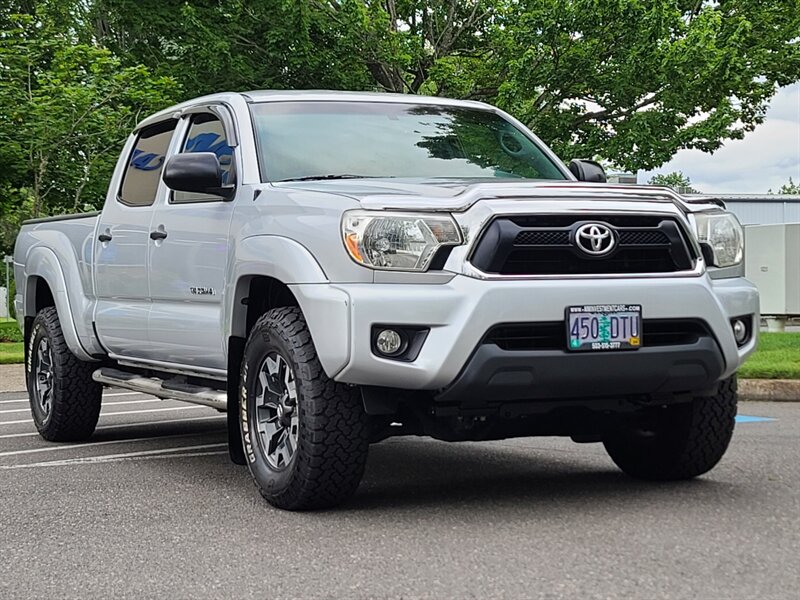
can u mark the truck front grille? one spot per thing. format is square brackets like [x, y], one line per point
[546, 245]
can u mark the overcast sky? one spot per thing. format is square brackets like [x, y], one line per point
[764, 159]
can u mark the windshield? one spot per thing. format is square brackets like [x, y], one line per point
[327, 140]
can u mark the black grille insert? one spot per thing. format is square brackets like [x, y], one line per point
[545, 245]
[552, 335]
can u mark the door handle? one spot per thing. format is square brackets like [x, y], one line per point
[158, 234]
[104, 237]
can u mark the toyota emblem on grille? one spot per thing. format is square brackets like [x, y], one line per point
[595, 239]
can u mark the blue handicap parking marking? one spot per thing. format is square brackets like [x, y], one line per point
[749, 419]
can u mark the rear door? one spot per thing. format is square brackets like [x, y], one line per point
[187, 264]
[122, 244]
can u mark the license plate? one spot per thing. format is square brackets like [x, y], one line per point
[604, 327]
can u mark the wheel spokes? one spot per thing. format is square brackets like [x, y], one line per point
[277, 415]
[43, 376]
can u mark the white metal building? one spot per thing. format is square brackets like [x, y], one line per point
[3, 303]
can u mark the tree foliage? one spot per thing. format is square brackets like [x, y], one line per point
[788, 188]
[675, 180]
[67, 107]
[629, 81]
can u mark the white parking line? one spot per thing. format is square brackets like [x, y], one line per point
[152, 410]
[104, 396]
[110, 457]
[121, 412]
[20, 410]
[93, 444]
[123, 425]
[133, 401]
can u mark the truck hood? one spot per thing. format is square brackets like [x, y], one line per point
[458, 195]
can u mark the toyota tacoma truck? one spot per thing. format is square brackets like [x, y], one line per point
[333, 269]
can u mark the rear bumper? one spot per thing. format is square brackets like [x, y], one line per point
[461, 311]
[497, 375]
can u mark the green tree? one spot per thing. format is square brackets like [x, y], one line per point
[787, 188]
[67, 108]
[628, 81]
[239, 45]
[675, 180]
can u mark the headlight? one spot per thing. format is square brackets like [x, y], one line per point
[723, 235]
[397, 241]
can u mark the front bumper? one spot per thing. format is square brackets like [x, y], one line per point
[461, 311]
[501, 375]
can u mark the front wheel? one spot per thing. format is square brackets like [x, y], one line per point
[65, 400]
[678, 442]
[305, 436]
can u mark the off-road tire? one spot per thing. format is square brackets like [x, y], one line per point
[332, 438]
[76, 397]
[687, 440]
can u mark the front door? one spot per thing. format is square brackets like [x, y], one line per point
[122, 244]
[188, 259]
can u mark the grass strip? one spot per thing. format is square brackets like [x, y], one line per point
[777, 357]
[11, 353]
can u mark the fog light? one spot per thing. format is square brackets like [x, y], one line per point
[739, 331]
[388, 342]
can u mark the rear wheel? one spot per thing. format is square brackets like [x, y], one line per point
[65, 400]
[681, 441]
[305, 436]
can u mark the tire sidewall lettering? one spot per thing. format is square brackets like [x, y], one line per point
[261, 343]
[244, 418]
[31, 346]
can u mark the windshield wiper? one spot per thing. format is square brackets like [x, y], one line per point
[331, 176]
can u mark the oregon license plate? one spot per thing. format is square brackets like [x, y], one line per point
[604, 327]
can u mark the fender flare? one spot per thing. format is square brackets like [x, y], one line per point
[255, 255]
[326, 310]
[43, 262]
[272, 256]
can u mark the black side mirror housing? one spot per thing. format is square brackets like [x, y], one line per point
[587, 170]
[197, 172]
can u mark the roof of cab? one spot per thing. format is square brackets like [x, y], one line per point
[340, 96]
[258, 96]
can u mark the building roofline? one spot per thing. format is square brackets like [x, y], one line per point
[750, 197]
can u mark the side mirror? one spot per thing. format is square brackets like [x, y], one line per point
[587, 170]
[197, 172]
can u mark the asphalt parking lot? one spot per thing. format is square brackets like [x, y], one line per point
[152, 508]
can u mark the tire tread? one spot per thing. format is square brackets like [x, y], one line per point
[333, 445]
[692, 447]
[76, 396]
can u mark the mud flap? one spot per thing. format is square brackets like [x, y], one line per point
[235, 355]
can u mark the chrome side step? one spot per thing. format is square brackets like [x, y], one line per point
[173, 389]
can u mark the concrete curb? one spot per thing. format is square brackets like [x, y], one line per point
[12, 379]
[775, 390]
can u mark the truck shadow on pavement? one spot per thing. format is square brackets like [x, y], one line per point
[413, 474]
[532, 474]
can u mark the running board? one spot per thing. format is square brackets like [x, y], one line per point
[162, 388]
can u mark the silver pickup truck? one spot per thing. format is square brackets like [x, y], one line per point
[337, 268]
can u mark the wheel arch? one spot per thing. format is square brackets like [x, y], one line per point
[264, 267]
[45, 285]
[262, 270]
